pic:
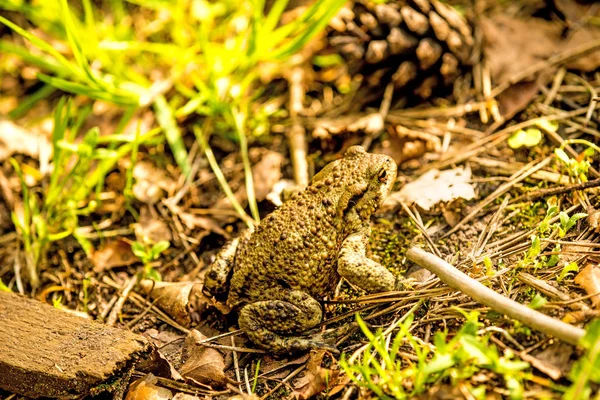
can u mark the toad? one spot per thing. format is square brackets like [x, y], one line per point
[276, 275]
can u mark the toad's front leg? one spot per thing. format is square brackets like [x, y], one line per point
[272, 324]
[361, 271]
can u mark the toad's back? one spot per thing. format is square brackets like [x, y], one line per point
[294, 247]
[297, 246]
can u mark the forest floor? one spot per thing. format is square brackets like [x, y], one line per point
[137, 138]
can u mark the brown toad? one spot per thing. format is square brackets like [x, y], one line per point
[298, 253]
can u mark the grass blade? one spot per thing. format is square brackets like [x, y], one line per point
[166, 120]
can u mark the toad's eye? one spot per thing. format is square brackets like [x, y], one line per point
[381, 175]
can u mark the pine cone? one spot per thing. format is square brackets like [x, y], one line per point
[419, 45]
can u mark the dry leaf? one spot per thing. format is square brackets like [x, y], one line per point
[280, 189]
[511, 45]
[244, 396]
[202, 364]
[269, 364]
[265, 173]
[184, 396]
[575, 11]
[517, 97]
[434, 187]
[116, 253]
[589, 280]
[370, 124]
[151, 183]
[593, 218]
[159, 364]
[151, 228]
[315, 378]
[198, 302]
[16, 140]
[145, 389]
[192, 221]
[171, 297]
[558, 355]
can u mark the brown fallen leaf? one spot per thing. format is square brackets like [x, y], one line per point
[151, 183]
[574, 11]
[559, 355]
[151, 228]
[184, 396]
[203, 365]
[192, 221]
[370, 124]
[434, 187]
[266, 172]
[517, 97]
[145, 389]
[159, 364]
[280, 367]
[180, 299]
[116, 253]
[315, 378]
[244, 396]
[511, 45]
[593, 218]
[171, 297]
[589, 280]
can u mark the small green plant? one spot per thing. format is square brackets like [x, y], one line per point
[547, 228]
[4, 288]
[57, 302]
[577, 168]
[381, 370]
[570, 267]
[525, 138]
[567, 222]
[538, 301]
[86, 299]
[78, 171]
[214, 53]
[587, 368]
[148, 254]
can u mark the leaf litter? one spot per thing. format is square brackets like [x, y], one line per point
[525, 237]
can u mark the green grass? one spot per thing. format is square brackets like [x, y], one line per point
[195, 64]
[210, 56]
[449, 359]
[78, 168]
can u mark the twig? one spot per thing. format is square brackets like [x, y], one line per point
[526, 171]
[114, 314]
[472, 288]
[559, 190]
[287, 378]
[296, 134]
[481, 145]
[556, 84]
[489, 229]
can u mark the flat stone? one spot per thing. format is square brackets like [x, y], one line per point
[47, 352]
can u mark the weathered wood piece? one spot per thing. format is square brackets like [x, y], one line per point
[46, 352]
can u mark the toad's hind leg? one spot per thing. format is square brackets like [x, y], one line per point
[271, 324]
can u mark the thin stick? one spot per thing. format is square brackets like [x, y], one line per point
[296, 134]
[472, 288]
[559, 190]
[112, 317]
[522, 174]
